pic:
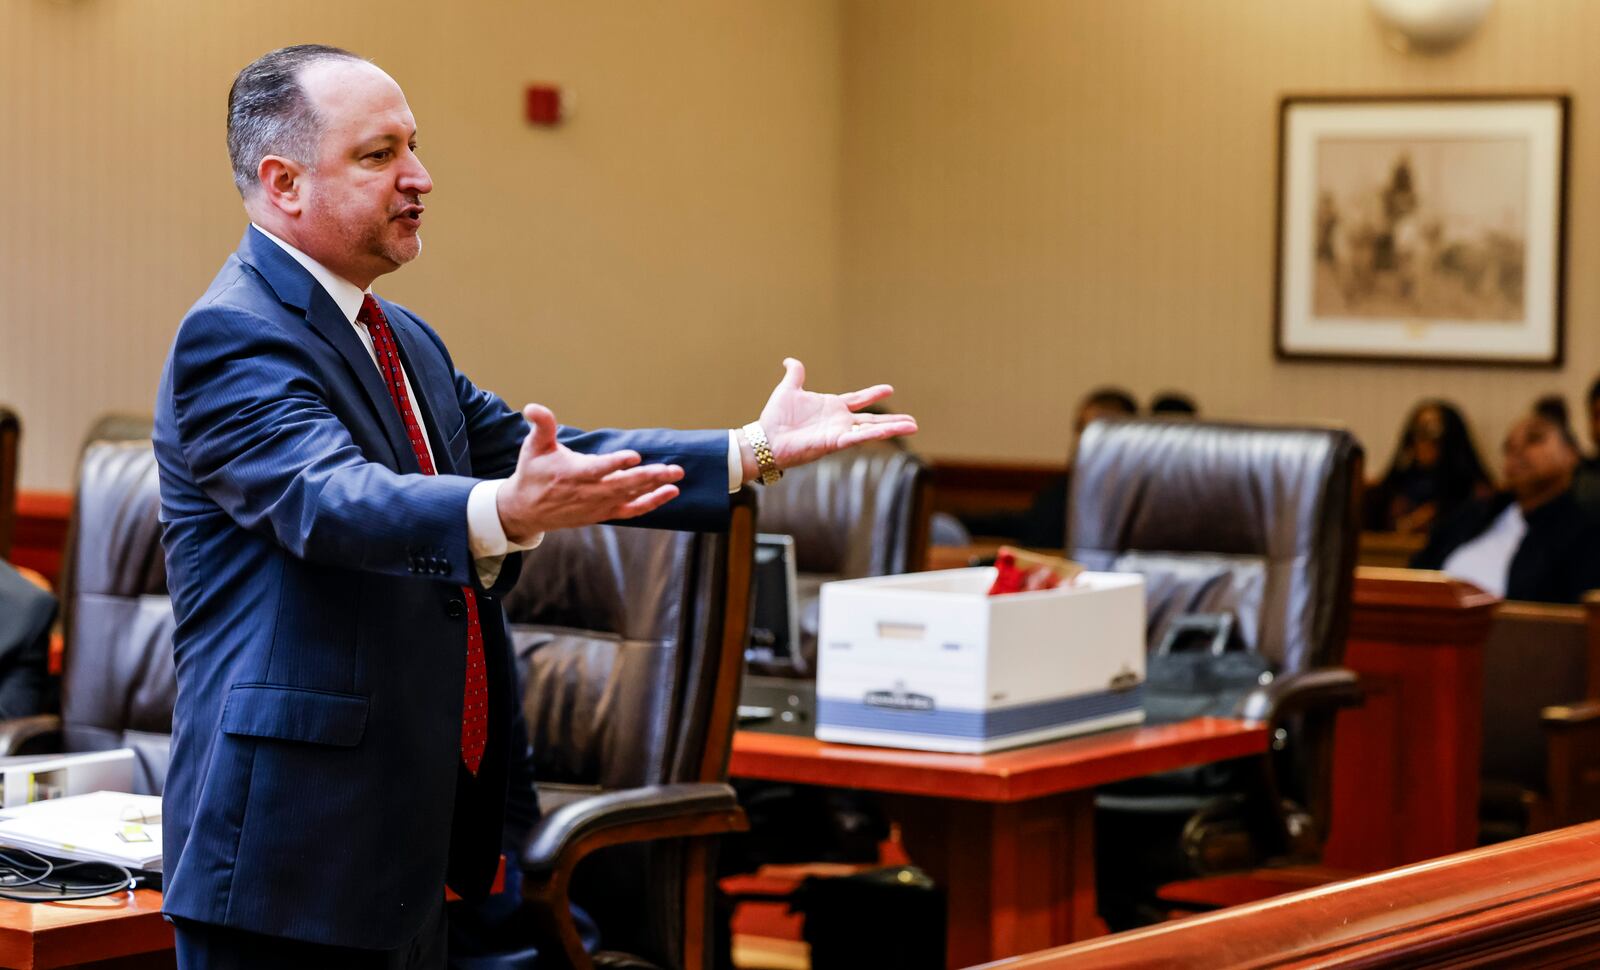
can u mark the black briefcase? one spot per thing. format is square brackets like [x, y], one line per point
[887, 919]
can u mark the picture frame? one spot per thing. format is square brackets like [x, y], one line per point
[1422, 228]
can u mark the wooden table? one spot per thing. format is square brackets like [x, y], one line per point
[126, 928]
[1391, 549]
[1010, 834]
[120, 932]
[1388, 549]
[960, 557]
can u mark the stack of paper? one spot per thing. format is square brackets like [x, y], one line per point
[103, 826]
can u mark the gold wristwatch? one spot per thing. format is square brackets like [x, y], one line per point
[765, 462]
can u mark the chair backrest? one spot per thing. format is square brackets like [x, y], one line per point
[631, 643]
[1259, 522]
[859, 512]
[1537, 655]
[117, 682]
[10, 436]
[112, 428]
[618, 632]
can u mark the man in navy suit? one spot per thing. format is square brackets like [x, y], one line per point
[342, 508]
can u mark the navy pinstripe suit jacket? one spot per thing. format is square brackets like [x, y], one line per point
[315, 790]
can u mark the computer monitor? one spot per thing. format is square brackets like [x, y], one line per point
[775, 623]
[783, 701]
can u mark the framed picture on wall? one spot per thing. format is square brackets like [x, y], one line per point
[1422, 228]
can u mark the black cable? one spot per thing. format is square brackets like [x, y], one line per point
[25, 876]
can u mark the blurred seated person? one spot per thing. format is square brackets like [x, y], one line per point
[1174, 404]
[1530, 542]
[1554, 408]
[1586, 484]
[1435, 471]
[1044, 525]
[1593, 461]
[26, 614]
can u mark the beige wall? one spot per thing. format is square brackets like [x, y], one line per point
[1043, 195]
[992, 203]
[651, 261]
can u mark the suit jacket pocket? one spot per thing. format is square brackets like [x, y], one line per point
[460, 451]
[295, 714]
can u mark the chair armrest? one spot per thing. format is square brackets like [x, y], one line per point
[577, 828]
[19, 733]
[631, 815]
[1325, 687]
[1298, 812]
[1571, 715]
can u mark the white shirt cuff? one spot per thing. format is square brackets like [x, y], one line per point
[486, 537]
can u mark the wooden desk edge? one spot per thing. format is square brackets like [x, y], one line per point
[37, 936]
[802, 760]
[44, 935]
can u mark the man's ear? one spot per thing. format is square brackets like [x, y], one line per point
[282, 182]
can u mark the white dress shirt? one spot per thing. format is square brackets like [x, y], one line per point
[486, 536]
[1485, 562]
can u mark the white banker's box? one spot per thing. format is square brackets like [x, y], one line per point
[929, 661]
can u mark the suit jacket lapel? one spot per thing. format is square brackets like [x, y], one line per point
[415, 356]
[327, 319]
[299, 289]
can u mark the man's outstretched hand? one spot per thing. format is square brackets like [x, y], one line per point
[803, 425]
[555, 487]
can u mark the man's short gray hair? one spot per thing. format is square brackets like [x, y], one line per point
[269, 113]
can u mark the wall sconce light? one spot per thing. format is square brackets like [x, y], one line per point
[1429, 25]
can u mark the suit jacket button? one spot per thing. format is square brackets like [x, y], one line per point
[455, 608]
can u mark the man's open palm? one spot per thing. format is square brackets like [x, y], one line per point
[555, 487]
[803, 425]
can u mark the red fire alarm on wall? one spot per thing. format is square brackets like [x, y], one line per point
[543, 104]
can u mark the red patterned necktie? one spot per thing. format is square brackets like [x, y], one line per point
[474, 709]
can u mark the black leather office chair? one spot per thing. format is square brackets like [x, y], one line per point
[632, 642]
[10, 437]
[1259, 523]
[117, 682]
[857, 513]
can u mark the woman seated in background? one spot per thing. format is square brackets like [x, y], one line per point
[1434, 471]
[1530, 542]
